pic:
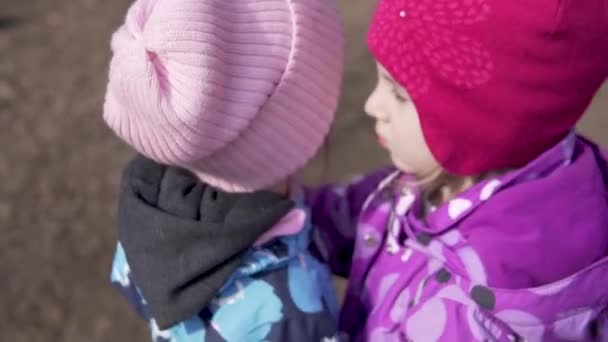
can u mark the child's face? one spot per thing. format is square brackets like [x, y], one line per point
[398, 126]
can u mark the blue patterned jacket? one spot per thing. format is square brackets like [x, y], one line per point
[280, 292]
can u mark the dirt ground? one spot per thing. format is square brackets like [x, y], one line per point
[59, 165]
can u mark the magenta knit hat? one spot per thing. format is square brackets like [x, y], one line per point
[495, 82]
[240, 92]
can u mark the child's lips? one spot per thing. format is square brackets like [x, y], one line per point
[381, 141]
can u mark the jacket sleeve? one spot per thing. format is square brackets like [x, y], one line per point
[335, 211]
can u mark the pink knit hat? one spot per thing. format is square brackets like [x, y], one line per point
[495, 82]
[241, 92]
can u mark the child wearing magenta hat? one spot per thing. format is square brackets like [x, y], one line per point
[492, 224]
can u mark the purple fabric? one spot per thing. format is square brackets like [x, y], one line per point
[337, 208]
[520, 256]
[544, 222]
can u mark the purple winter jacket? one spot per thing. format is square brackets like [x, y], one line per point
[520, 257]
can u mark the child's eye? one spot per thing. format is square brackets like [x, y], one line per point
[399, 97]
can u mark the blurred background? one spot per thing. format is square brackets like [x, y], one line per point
[60, 166]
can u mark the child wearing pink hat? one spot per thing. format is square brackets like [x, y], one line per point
[224, 100]
[492, 225]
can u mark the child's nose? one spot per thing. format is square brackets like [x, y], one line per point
[373, 107]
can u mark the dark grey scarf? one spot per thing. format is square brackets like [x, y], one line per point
[183, 239]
